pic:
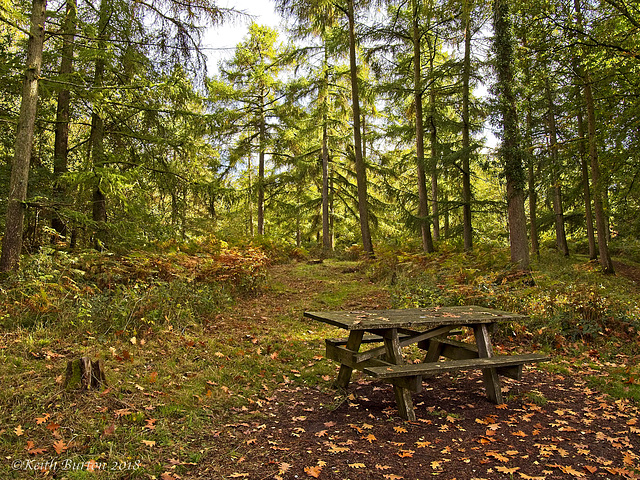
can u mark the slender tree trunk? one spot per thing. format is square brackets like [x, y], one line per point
[466, 154]
[61, 142]
[584, 167]
[96, 136]
[361, 168]
[262, 140]
[561, 238]
[249, 194]
[533, 194]
[423, 200]
[434, 151]
[511, 151]
[601, 221]
[598, 194]
[326, 233]
[12, 241]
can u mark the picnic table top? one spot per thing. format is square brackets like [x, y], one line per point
[413, 317]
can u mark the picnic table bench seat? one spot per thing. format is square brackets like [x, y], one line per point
[420, 369]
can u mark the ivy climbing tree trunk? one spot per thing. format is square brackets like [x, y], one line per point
[423, 200]
[361, 168]
[12, 241]
[510, 150]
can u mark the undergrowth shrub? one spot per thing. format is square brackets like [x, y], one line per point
[565, 298]
[101, 292]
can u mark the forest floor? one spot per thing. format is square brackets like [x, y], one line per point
[198, 389]
[552, 426]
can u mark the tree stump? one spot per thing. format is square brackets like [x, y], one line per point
[85, 374]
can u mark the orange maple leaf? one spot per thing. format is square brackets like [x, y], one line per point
[400, 429]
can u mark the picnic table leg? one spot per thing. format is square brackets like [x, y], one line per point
[490, 375]
[403, 395]
[353, 344]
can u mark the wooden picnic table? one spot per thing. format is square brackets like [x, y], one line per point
[430, 329]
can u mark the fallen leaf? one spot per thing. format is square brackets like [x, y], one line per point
[284, 468]
[572, 471]
[405, 453]
[357, 465]
[149, 443]
[391, 476]
[110, 430]
[19, 431]
[313, 471]
[502, 469]
[92, 465]
[59, 447]
[41, 420]
[370, 438]
[400, 429]
[36, 451]
[382, 467]
[239, 475]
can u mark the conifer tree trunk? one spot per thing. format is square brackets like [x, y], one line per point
[361, 169]
[12, 240]
[510, 151]
[561, 238]
[434, 150]
[61, 142]
[96, 135]
[423, 201]
[249, 194]
[466, 172]
[261, 155]
[326, 233]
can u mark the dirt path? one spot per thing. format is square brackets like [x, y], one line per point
[553, 426]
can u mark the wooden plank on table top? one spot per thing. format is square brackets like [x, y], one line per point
[412, 317]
